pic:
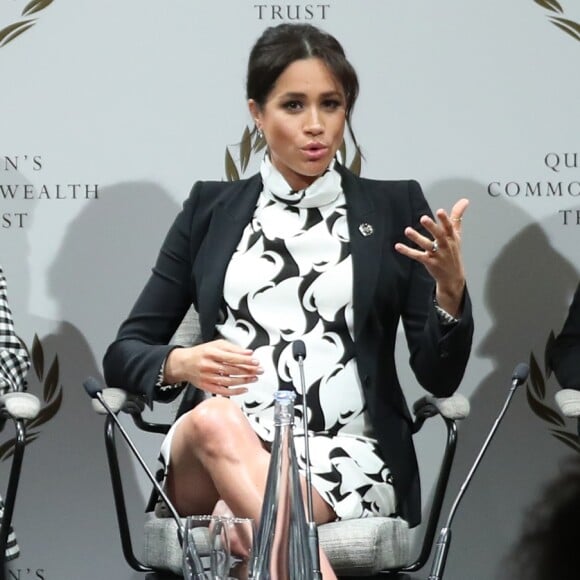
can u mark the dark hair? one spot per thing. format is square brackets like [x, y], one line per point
[279, 46]
[548, 546]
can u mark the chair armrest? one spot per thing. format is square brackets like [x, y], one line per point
[569, 402]
[119, 400]
[455, 407]
[20, 405]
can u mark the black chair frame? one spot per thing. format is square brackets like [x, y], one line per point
[12, 489]
[423, 410]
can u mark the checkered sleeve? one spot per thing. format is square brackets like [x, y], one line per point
[14, 360]
[12, 548]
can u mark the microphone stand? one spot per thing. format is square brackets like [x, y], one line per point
[299, 352]
[95, 391]
[519, 376]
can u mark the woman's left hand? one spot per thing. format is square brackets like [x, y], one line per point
[441, 254]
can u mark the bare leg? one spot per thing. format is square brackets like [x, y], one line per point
[215, 454]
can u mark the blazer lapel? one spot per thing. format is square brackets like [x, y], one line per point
[228, 220]
[234, 211]
[366, 228]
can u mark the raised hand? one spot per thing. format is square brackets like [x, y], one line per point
[440, 253]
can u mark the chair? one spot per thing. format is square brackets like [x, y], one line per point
[17, 405]
[568, 401]
[362, 547]
[21, 407]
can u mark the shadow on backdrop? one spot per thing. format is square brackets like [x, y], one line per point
[548, 546]
[524, 291]
[65, 512]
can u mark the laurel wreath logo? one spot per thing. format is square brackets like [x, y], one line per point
[251, 144]
[12, 31]
[51, 395]
[568, 26]
[537, 394]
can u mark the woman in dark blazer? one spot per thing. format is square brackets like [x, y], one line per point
[564, 354]
[402, 265]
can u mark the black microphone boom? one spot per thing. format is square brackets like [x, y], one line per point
[94, 390]
[298, 350]
[519, 376]
[299, 353]
[92, 387]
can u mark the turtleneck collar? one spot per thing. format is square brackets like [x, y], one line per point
[323, 191]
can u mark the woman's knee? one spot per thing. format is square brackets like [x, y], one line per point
[217, 425]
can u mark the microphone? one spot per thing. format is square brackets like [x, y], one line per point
[299, 354]
[95, 391]
[519, 376]
[298, 350]
[93, 388]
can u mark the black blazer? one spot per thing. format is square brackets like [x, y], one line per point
[387, 287]
[564, 354]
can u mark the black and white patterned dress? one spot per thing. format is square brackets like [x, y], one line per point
[291, 278]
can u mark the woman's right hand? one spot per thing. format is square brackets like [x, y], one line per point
[218, 367]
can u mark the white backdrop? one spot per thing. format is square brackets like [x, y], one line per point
[110, 111]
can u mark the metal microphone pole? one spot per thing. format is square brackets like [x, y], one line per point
[299, 353]
[95, 391]
[519, 376]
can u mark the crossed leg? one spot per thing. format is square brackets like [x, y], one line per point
[215, 454]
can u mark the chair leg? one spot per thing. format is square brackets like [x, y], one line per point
[10, 498]
[120, 507]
